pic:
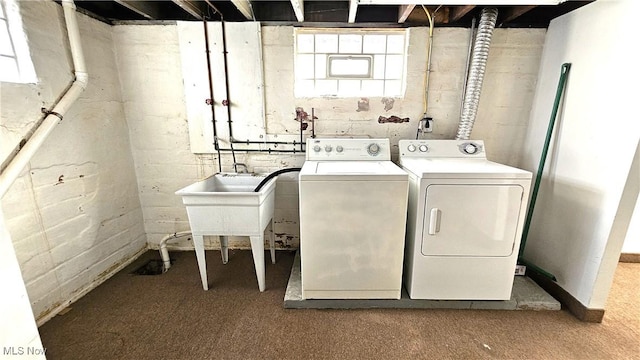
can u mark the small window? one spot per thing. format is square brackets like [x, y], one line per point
[357, 66]
[15, 60]
[350, 63]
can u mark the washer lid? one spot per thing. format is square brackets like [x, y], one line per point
[352, 170]
[444, 168]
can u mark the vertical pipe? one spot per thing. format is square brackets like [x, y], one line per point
[213, 112]
[226, 84]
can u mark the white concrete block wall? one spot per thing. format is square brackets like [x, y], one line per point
[153, 94]
[74, 215]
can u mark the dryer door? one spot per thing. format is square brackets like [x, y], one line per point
[471, 220]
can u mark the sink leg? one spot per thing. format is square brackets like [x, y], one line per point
[224, 249]
[272, 242]
[257, 248]
[198, 243]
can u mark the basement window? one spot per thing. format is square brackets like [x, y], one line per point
[15, 59]
[350, 63]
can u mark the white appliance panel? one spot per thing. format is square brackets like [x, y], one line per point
[471, 220]
[352, 238]
[350, 167]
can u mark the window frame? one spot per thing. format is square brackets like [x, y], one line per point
[314, 79]
[17, 37]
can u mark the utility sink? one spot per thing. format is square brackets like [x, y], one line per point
[225, 204]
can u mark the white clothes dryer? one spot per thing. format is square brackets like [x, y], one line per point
[465, 219]
[353, 203]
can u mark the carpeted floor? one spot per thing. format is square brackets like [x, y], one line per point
[169, 316]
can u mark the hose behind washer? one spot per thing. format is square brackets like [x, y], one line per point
[274, 174]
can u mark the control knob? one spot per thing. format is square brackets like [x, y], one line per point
[411, 148]
[316, 148]
[423, 148]
[328, 148]
[373, 149]
[470, 149]
[339, 148]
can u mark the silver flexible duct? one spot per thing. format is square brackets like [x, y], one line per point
[476, 71]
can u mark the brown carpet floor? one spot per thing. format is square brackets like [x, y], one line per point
[169, 316]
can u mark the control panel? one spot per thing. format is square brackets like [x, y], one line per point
[338, 149]
[442, 148]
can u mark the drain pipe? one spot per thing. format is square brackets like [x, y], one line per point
[486, 25]
[164, 253]
[55, 115]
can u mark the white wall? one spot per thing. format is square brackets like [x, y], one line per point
[153, 92]
[18, 329]
[632, 240]
[74, 214]
[575, 233]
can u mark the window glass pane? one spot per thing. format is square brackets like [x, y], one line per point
[395, 44]
[345, 63]
[305, 43]
[372, 87]
[392, 88]
[378, 66]
[305, 88]
[304, 66]
[350, 66]
[374, 44]
[327, 43]
[9, 69]
[350, 44]
[5, 40]
[321, 66]
[393, 67]
[327, 87]
[349, 87]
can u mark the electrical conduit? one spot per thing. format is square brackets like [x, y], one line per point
[486, 26]
[22, 158]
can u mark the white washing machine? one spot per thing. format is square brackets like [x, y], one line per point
[465, 219]
[353, 203]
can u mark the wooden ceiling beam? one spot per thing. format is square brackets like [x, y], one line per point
[459, 11]
[298, 9]
[190, 7]
[353, 10]
[514, 13]
[244, 6]
[148, 10]
[404, 11]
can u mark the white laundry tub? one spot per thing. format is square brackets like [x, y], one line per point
[225, 204]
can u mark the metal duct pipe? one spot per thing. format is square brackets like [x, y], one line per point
[54, 116]
[476, 71]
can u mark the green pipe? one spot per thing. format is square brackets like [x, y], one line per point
[564, 72]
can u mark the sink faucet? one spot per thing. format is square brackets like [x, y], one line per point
[236, 165]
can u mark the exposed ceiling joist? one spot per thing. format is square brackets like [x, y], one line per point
[147, 10]
[459, 2]
[515, 12]
[190, 7]
[353, 9]
[244, 6]
[298, 9]
[459, 12]
[404, 11]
